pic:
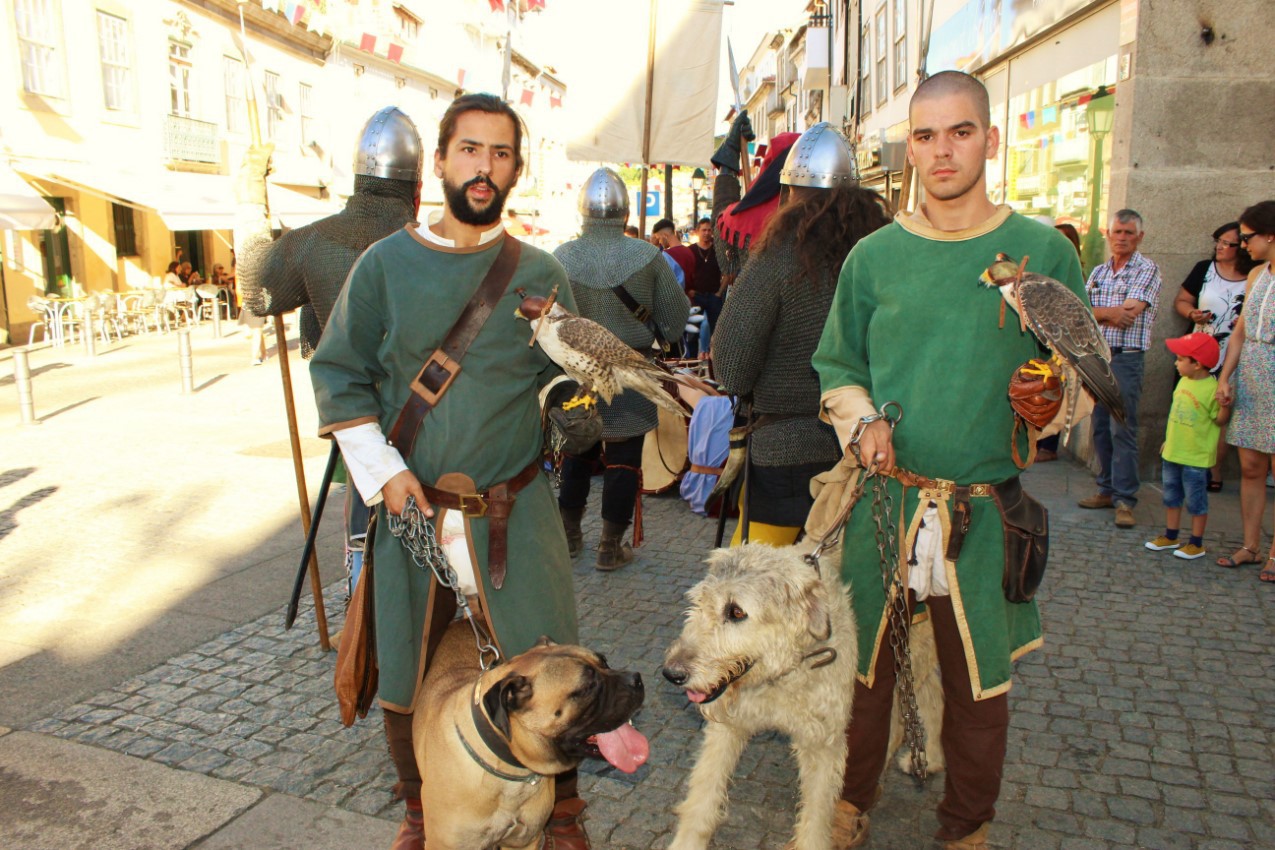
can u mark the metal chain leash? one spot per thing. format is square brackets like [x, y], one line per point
[887, 537]
[417, 535]
[557, 446]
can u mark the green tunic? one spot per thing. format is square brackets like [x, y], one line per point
[911, 323]
[403, 296]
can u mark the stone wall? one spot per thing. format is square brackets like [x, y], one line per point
[1193, 146]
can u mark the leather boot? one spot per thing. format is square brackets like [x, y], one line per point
[571, 518]
[976, 840]
[565, 831]
[411, 832]
[613, 552]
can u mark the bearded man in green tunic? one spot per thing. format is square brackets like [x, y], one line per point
[910, 324]
[402, 298]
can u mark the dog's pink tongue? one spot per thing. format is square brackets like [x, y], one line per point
[625, 747]
[696, 696]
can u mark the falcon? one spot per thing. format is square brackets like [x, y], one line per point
[594, 357]
[1063, 323]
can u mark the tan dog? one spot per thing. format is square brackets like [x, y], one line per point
[490, 743]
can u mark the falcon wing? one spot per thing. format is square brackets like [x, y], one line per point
[1066, 325]
[612, 365]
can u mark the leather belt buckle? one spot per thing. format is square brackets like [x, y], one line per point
[435, 376]
[947, 487]
[980, 490]
[473, 505]
[642, 314]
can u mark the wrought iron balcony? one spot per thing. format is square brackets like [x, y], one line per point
[188, 140]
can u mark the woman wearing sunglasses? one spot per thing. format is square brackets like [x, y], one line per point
[1248, 381]
[1210, 298]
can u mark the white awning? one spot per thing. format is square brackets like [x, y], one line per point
[21, 207]
[184, 200]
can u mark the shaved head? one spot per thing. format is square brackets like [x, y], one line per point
[948, 83]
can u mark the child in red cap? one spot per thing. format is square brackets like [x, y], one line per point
[1190, 443]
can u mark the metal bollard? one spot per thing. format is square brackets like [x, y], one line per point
[183, 355]
[22, 378]
[90, 338]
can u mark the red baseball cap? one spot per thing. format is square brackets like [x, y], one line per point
[1201, 346]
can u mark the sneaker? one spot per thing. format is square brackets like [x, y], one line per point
[1189, 552]
[1097, 501]
[1124, 517]
[1161, 543]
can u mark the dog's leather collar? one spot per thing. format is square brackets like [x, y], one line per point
[495, 742]
[530, 778]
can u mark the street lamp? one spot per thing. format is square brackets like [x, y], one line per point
[698, 179]
[1101, 115]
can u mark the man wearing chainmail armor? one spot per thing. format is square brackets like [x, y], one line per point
[307, 267]
[598, 263]
[772, 323]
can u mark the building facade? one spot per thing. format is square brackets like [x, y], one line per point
[131, 119]
[1101, 105]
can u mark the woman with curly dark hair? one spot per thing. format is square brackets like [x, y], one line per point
[772, 322]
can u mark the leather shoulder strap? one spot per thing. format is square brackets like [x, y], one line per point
[442, 367]
[641, 313]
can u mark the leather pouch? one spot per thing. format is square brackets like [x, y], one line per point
[356, 671]
[1026, 528]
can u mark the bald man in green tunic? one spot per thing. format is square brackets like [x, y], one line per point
[402, 298]
[911, 324]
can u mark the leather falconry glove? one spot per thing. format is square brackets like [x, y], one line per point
[728, 155]
[1036, 392]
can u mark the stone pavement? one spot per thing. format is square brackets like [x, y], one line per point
[1141, 723]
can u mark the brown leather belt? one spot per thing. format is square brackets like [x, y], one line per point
[910, 479]
[707, 470]
[959, 494]
[495, 503]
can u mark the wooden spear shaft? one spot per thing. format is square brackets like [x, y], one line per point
[303, 493]
[303, 496]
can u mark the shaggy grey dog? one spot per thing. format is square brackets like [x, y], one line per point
[769, 644]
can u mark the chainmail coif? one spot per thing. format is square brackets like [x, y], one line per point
[307, 267]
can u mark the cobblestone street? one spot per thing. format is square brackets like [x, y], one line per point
[153, 628]
[1142, 723]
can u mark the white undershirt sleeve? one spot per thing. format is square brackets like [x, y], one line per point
[370, 459]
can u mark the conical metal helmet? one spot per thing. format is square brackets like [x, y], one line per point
[820, 159]
[390, 147]
[604, 196]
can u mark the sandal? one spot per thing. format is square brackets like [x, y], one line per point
[1214, 486]
[1268, 573]
[1233, 561]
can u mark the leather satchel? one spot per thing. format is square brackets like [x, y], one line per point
[1026, 528]
[356, 671]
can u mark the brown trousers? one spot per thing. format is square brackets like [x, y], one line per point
[398, 733]
[974, 733]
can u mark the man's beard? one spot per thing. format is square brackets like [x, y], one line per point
[458, 202]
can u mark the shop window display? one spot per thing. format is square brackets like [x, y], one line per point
[1048, 156]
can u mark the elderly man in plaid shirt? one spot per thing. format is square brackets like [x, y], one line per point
[1124, 292]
